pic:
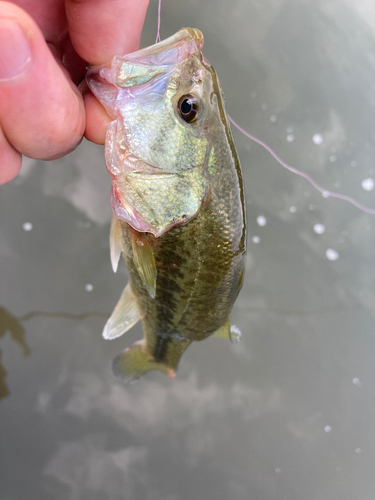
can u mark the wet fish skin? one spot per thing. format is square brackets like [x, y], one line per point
[184, 245]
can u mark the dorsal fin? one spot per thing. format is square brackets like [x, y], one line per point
[223, 332]
[226, 331]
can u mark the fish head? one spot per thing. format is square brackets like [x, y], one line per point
[164, 100]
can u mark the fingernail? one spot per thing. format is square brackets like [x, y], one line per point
[15, 52]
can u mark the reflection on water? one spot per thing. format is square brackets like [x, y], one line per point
[4, 391]
[13, 325]
[10, 324]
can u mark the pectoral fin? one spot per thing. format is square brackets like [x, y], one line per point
[115, 240]
[124, 316]
[135, 361]
[144, 261]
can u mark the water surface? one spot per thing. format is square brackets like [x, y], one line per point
[289, 412]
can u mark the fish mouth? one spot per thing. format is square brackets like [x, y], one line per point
[172, 50]
[144, 69]
[168, 52]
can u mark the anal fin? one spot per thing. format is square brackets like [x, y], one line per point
[124, 316]
[135, 361]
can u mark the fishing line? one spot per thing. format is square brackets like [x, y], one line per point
[325, 193]
[158, 33]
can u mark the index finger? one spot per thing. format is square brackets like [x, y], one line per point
[100, 29]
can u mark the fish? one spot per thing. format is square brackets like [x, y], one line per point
[178, 201]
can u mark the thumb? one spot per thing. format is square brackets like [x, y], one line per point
[41, 111]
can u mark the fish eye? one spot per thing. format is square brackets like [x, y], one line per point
[188, 107]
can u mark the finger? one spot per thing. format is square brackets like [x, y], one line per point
[41, 111]
[100, 29]
[49, 16]
[10, 160]
[97, 119]
[73, 63]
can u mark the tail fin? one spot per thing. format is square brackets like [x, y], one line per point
[135, 361]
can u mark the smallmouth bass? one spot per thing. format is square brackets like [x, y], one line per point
[177, 198]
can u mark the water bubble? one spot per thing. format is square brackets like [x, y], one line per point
[261, 220]
[354, 163]
[253, 94]
[278, 470]
[325, 194]
[358, 451]
[319, 228]
[293, 209]
[357, 382]
[312, 207]
[235, 334]
[289, 130]
[368, 184]
[332, 254]
[290, 137]
[327, 429]
[264, 106]
[89, 287]
[333, 158]
[256, 239]
[27, 226]
[273, 118]
[317, 138]
[337, 184]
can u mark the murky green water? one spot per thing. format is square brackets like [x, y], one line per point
[288, 413]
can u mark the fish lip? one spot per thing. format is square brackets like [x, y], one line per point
[139, 69]
[186, 41]
[190, 38]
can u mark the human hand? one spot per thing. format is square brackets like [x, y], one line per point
[44, 49]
